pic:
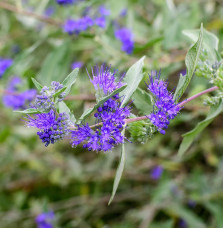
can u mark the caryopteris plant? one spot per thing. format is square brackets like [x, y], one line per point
[116, 95]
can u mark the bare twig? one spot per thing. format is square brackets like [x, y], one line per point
[10, 7]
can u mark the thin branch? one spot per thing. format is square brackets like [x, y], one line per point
[10, 7]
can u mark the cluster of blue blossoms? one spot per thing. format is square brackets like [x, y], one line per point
[72, 26]
[52, 128]
[15, 99]
[4, 65]
[45, 101]
[45, 220]
[165, 107]
[65, 2]
[125, 35]
[109, 117]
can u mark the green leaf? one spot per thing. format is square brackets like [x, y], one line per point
[64, 108]
[118, 173]
[37, 84]
[56, 64]
[100, 102]
[133, 77]
[60, 91]
[210, 41]
[149, 44]
[191, 219]
[191, 63]
[70, 80]
[191, 135]
[29, 111]
[143, 101]
[166, 224]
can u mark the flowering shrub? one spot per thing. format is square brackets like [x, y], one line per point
[79, 77]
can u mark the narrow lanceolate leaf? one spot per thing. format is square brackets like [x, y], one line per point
[133, 77]
[70, 80]
[60, 91]
[29, 111]
[191, 63]
[100, 102]
[143, 101]
[56, 65]
[118, 173]
[37, 84]
[64, 108]
[210, 41]
[189, 137]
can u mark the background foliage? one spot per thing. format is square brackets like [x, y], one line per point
[76, 184]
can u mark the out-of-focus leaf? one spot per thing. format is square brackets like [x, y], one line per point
[191, 219]
[100, 102]
[210, 41]
[167, 224]
[149, 44]
[190, 136]
[56, 64]
[191, 63]
[37, 84]
[216, 210]
[64, 108]
[118, 173]
[70, 80]
[29, 111]
[23, 60]
[143, 101]
[133, 77]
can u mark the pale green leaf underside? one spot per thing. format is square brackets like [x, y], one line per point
[189, 137]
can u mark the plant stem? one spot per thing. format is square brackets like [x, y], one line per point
[10, 7]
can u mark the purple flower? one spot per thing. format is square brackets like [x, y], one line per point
[76, 26]
[123, 12]
[101, 22]
[49, 11]
[46, 99]
[182, 223]
[65, 2]
[77, 65]
[15, 99]
[108, 133]
[105, 80]
[45, 220]
[4, 65]
[104, 11]
[52, 128]
[110, 115]
[125, 35]
[156, 172]
[165, 107]
[191, 203]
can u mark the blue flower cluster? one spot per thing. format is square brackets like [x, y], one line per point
[156, 172]
[72, 26]
[52, 129]
[15, 99]
[108, 132]
[65, 2]
[4, 65]
[45, 220]
[105, 80]
[165, 107]
[125, 35]
[109, 117]
[46, 99]
[77, 64]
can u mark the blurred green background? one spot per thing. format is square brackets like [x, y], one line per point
[76, 184]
